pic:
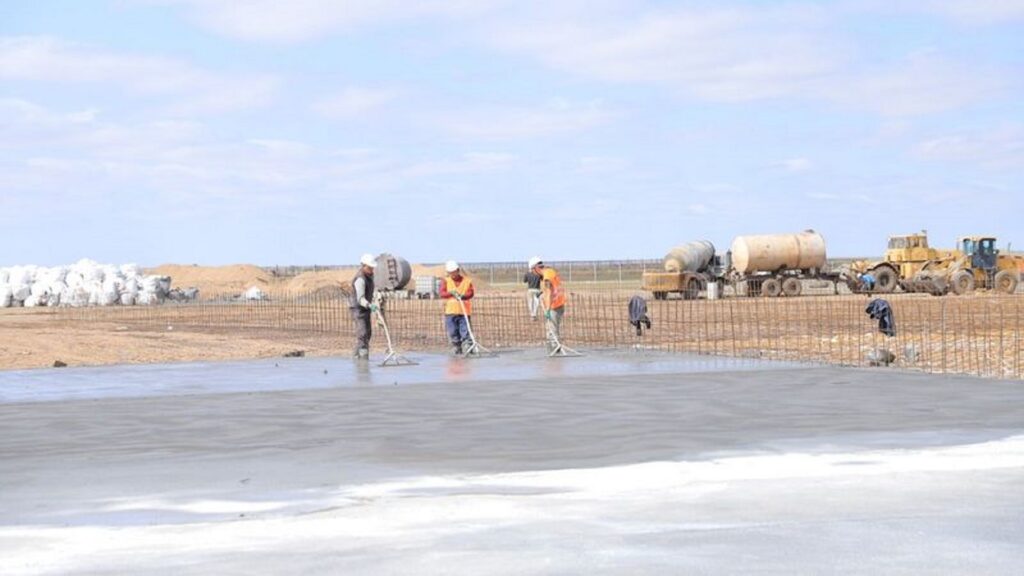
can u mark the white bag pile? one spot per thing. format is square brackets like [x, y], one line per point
[254, 293]
[84, 283]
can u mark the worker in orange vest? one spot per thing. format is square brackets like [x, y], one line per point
[553, 298]
[457, 291]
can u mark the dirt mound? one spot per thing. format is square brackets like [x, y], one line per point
[237, 278]
[216, 279]
[314, 281]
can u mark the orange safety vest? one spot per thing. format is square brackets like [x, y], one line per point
[451, 305]
[557, 294]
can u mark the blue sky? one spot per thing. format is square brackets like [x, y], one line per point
[311, 131]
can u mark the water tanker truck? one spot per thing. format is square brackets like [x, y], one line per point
[776, 264]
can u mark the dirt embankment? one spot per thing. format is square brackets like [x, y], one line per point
[237, 278]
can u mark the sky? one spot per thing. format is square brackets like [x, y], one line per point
[312, 131]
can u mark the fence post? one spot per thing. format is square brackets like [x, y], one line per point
[942, 332]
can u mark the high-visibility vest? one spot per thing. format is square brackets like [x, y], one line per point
[451, 305]
[557, 294]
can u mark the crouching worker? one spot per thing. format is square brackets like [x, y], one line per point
[457, 292]
[363, 306]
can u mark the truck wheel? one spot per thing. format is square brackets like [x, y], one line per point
[792, 286]
[771, 288]
[692, 291]
[660, 295]
[886, 279]
[962, 282]
[1006, 281]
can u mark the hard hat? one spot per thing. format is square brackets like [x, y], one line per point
[451, 266]
[368, 260]
[534, 261]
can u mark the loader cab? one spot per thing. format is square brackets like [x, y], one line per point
[981, 250]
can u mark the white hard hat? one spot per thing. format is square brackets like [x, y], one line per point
[451, 266]
[534, 261]
[368, 260]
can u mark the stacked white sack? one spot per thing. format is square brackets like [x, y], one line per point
[254, 293]
[84, 283]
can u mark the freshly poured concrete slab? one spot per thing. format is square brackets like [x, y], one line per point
[126, 381]
[667, 466]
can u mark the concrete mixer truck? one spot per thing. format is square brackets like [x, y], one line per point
[688, 269]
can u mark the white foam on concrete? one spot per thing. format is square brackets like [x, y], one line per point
[951, 509]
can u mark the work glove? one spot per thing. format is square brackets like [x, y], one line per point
[457, 296]
[547, 314]
[374, 307]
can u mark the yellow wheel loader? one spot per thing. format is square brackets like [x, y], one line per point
[975, 264]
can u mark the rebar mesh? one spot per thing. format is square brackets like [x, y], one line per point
[978, 335]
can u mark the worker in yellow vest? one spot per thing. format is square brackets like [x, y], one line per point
[457, 291]
[553, 298]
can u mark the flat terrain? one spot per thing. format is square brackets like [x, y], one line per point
[619, 464]
[35, 338]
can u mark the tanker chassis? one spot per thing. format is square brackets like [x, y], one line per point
[766, 265]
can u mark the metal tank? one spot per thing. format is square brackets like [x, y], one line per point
[690, 257]
[392, 273]
[774, 252]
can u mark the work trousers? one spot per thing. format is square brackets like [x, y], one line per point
[457, 328]
[554, 324]
[364, 327]
[533, 301]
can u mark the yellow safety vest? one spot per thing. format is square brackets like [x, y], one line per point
[451, 305]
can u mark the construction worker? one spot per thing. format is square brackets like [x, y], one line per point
[867, 282]
[457, 291]
[363, 305]
[533, 291]
[552, 299]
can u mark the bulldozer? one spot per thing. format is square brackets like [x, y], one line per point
[904, 258]
[976, 263]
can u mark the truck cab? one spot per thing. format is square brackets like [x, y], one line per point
[908, 253]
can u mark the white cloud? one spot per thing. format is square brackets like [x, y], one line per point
[709, 51]
[601, 164]
[282, 147]
[923, 83]
[996, 149]
[511, 122]
[822, 196]
[354, 102]
[303, 20]
[795, 165]
[184, 89]
[978, 11]
[749, 52]
[470, 162]
[724, 54]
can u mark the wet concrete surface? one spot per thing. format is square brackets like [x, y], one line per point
[204, 444]
[126, 381]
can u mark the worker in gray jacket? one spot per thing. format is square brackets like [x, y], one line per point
[363, 305]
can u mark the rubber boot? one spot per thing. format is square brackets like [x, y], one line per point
[362, 354]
